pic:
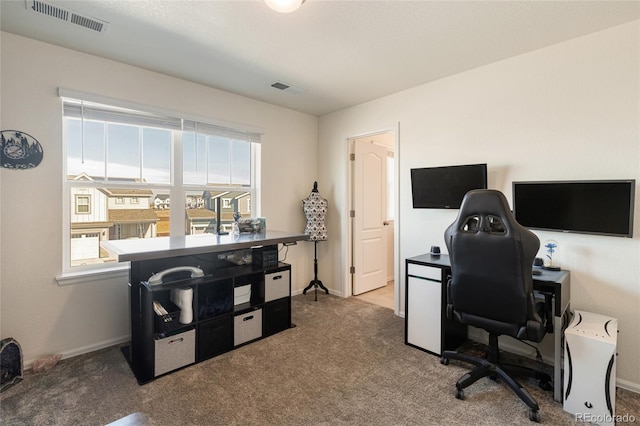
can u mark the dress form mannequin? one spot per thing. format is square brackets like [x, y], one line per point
[315, 209]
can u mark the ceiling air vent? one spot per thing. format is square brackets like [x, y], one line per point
[287, 88]
[280, 85]
[67, 15]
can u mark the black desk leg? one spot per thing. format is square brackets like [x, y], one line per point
[315, 282]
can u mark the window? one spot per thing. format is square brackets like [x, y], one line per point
[83, 204]
[121, 175]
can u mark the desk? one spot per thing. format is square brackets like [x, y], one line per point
[220, 324]
[425, 293]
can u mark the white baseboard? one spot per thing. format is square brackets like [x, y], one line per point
[85, 350]
[630, 386]
[336, 293]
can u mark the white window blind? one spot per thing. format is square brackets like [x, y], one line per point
[221, 131]
[78, 104]
[90, 111]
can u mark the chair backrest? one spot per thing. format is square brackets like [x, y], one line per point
[491, 262]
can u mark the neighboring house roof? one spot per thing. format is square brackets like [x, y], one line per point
[200, 214]
[132, 215]
[242, 195]
[121, 192]
[213, 194]
[84, 176]
[81, 176]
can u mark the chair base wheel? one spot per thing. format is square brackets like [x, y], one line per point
[545, 385]
[459, 394]
[534, 416]
[444, 361]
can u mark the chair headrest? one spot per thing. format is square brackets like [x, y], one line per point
[489, 209]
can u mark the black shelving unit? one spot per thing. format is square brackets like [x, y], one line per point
[218, 324]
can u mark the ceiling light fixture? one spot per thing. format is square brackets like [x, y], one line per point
[284, 6]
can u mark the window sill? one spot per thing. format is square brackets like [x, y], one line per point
[74, 278]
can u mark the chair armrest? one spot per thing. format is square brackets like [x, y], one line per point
[449, 306]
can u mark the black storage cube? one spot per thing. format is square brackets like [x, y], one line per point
[265, 256]
[215, 336]
[277, 316]
[215, 298]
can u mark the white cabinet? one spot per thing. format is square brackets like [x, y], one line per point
[424, 312]
[426, 325]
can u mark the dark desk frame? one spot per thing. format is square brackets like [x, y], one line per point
[555, 282]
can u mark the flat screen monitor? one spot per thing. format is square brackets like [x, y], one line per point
[588, 207]
[445, 187]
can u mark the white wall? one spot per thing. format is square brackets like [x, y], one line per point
[569, 111]
[46, 318]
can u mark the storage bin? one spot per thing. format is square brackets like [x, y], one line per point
[215, 336]
[241, 294]
[174, 352]
[215, 298]
[165, 323]
[277, 316]
[247, 327]
[276, 285]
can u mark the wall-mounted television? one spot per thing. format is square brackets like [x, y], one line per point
[445, 187]
[603, 207]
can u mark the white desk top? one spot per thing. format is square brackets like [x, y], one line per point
[161, 247]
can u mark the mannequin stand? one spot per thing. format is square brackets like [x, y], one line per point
[315, 282]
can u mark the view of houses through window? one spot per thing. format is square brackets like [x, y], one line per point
[121, 177]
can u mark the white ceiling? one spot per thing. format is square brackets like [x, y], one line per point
[334, 54]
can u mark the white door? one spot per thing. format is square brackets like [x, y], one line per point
[370, 212]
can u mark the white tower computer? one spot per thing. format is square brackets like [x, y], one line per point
[590, 368]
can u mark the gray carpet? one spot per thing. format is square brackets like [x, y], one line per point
[344, 364]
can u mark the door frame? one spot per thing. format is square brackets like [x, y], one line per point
[347, 287]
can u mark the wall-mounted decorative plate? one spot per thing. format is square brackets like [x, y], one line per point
[19, 150]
